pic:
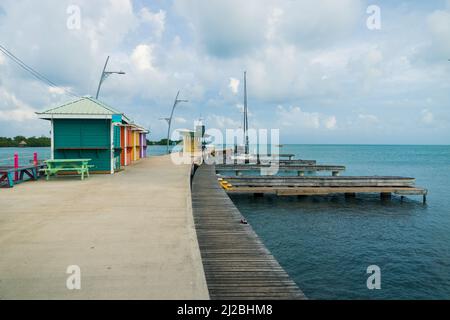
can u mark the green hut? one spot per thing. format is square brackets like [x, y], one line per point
[86, 128]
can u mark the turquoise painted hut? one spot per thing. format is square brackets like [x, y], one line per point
[87, 128]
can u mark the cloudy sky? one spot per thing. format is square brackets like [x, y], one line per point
[315, 69]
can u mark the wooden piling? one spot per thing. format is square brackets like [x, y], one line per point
[350, 195]
[385, 195]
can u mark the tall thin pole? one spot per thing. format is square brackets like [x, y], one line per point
[245, 114]
[101, 78]
[170, 119]
[105, 74]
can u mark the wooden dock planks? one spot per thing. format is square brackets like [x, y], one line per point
[237, 265]
[310, 191]
[319, 181]
[281, 167]
[303, 186]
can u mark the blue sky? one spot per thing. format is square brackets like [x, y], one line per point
[315, 71]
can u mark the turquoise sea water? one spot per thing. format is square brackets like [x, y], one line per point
[327, 243]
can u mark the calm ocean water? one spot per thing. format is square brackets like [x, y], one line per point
[327, 243]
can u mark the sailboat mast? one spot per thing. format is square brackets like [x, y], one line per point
[245, 114]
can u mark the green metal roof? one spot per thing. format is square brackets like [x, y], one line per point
[86, 106]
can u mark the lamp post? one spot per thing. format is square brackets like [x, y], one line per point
[105, 74]
[169, 120]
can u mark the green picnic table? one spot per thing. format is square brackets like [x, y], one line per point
[81, 166]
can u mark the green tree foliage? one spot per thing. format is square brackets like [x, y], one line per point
[30, 142]
[162, 142]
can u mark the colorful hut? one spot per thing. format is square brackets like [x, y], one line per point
[88, 128]
[193, 140]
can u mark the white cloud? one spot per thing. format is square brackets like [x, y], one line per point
[294, 116]
[225, 31]
[427, 117]
[325, 22]
[234, 85]
[142, 57]
[12, 109]
[439, 26]
[156, 19]
[295, 54]
[58, 90]
[368, 118]
[273, 22]
[226, 28]
[240, 107]
[222, 122]
[330, 123]
[298, 120]
[180, 120]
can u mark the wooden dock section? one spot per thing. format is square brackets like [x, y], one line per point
[299, 169]
[236, 263]
[349, 185]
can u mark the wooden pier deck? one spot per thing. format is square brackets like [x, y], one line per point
[236, 263]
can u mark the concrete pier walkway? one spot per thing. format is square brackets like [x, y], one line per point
[132, 234]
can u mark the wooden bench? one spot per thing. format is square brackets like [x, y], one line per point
[80, 166]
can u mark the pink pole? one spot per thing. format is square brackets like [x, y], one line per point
[16, 166]
[35, 158]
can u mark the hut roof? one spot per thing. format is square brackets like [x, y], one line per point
[85, 107]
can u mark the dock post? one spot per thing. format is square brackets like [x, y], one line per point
[16, 166]
[385, 195]
[224, 157]
[424, 200]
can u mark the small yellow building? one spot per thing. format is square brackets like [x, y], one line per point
[193, 140]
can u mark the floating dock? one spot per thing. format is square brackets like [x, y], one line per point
[236, 263]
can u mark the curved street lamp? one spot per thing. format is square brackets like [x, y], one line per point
[105, 74]
[169, 120]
